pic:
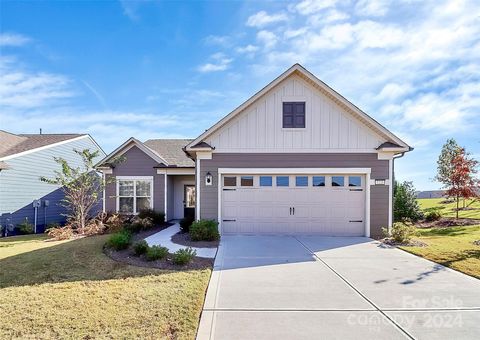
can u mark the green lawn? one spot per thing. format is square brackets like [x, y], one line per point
[70, 289]
[451, 247]
[448, 210]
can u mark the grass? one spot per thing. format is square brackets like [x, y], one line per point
[71, 290]
[448, 210]
[451, 247]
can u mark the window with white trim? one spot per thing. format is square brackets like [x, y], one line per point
[134, 195]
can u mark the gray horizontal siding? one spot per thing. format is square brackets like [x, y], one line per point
[379, 170]
[136, 163]
[21, 185]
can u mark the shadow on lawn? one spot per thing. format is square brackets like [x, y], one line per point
[76, 260]
[447, 231]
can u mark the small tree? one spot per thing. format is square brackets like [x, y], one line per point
[81, 185]
[405, 205]
[444, 163]
[462, 181]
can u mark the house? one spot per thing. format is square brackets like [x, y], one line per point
[24, 158]
[297, 157]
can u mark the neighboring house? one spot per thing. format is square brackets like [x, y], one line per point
[24, 158]
[297, 157]
[431, 194]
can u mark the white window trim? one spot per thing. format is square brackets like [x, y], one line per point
[293, 171]
[132, 178]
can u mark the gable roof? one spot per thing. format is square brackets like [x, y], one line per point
[171, 150]
[167, 152]
[12, 144]
[320, 85]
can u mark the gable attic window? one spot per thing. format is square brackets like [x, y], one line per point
[293, 115]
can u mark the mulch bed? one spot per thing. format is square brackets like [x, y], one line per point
[412, 243]
[185, 240]
[446, 222]
[127, 256]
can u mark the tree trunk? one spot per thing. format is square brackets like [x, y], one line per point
[458, 202]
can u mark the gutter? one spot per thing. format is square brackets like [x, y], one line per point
[393, 176]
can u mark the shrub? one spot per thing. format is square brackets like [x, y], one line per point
[405, 204]
[120, 240]
[185, 224]
[156, 253]
[432, 214]
[133, 228]
[25, 228]
[113, 222]
[401, 232]
[204, 230]
[140, 247]
[61, 233]
[183, 256]
[157, 217]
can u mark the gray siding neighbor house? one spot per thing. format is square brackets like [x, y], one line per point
[24, 158]
[296, 158]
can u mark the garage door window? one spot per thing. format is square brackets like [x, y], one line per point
[230, 181]
[301, 181]
[265, 181]
[282, 181]
[338, 181]
[354, 181]
[246, 181]
[318, 181]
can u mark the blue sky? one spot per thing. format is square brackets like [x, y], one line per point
[154, 69]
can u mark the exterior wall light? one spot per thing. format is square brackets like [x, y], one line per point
[208, 179]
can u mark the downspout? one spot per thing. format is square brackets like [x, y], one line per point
[393, 177]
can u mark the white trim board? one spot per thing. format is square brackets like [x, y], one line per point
[176, 171]
[311, 171]
[133, 178]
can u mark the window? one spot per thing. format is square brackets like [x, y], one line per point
[230, 181]
[282, 181]
[338, 181]
[265, 181]
[354, 181]
[134, 195]
[301, 181]
[318, 181]
[246, 181]
[294, 114]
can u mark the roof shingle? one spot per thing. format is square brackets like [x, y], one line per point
[171, 150]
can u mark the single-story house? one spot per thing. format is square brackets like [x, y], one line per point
[24, 158]
[297, 157]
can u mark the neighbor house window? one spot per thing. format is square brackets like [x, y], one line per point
[318, 181]
[301, 181]
[282, 181]
[294, 114]
[246, 181]
[354, 181]
[338, 181]
[134, 195]
[265, 181]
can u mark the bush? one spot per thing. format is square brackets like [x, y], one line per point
[401, 232]
[405, 204]
[432, 214]
[133, 228]
[25, 228]
[61, 233]
[204, 230]
[120, 240]
[113, 222]
[156, 253]
[140, 247]
[157, 217]
[185, 224]
[183, 256]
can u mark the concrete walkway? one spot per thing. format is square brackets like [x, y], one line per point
[164, 238]
[285, 287]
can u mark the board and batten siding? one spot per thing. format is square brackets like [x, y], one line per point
[136, 163]
[20, 185]
[379, 170]
[329, 127]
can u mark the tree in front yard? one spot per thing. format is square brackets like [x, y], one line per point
[82, 188]
[462, 182]
[405, 205]
[444, 163]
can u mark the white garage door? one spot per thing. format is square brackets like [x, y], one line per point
[331, 205]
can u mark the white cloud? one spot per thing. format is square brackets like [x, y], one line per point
[393, 91]
[307, 7]
[13, 39]
[262, 19]
[220, 62]
[374, 8]
[267, 39]
[220, 40]
[247, 49]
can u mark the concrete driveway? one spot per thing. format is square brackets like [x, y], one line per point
[285, 287]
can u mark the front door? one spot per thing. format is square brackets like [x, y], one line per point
[189, 201]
